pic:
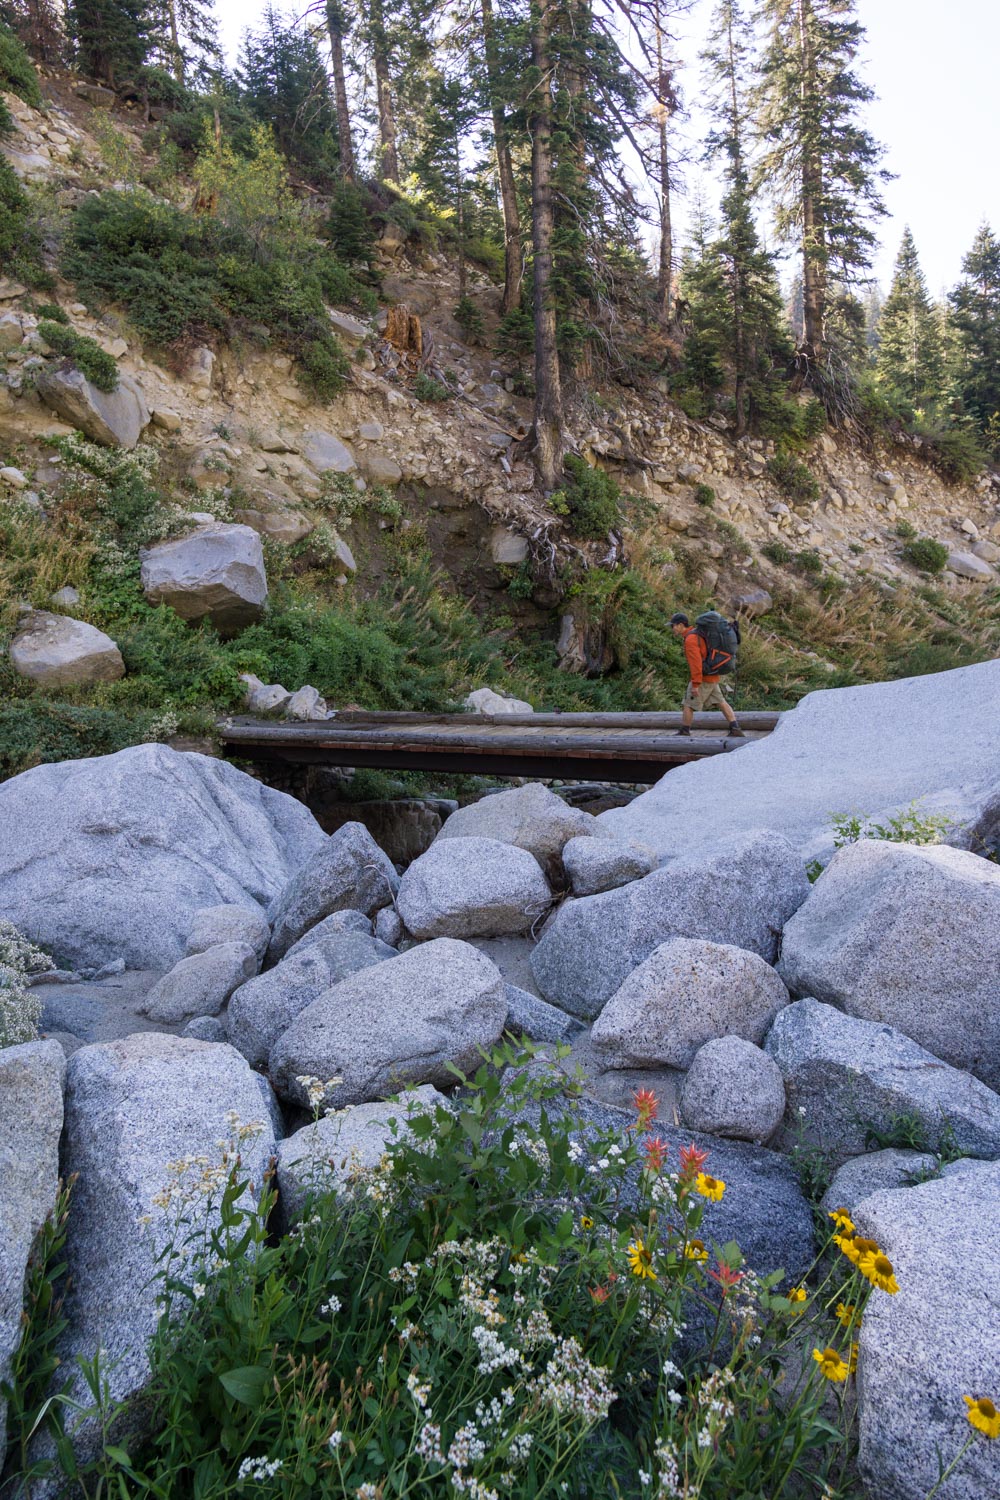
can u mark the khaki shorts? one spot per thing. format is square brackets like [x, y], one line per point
[707, 695]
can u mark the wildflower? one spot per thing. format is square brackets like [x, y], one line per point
[368, 1492]
[647, 1105]
[599, 1293]
[877, 1268]
[847, 1314]
[655, 1153]
[695, 1250]
[258, 1468]
[832, 1367]
[983, 1415]
[853, 1359]
[429, 1444]
[726, 1276]
[419, 1392]
[198, 1290]
[586, 1222]
[333, 1306]
[842, 1221]
[855, 1247]
[709, 1187]
[335, 1439]
[692, 1161]
[640, 1260]
[798, 1297]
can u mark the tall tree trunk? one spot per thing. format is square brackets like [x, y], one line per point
[665, 270]
[175, 44]
[460, 218]
[512, 266]
[388, 158]
[337, 25]
[548, 389]
[813, 229]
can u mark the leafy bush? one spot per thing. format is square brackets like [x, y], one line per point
[591, 499]
[793, 477]
[52, 312]
[905, 531]
[704, 495]
[788, 422]
[349, 227]
[515, 337]
[907, 827]
[20, 243]
[17, 76]
[101, 369]
[777, 552]
[925, 553]
[809, 561]
[35, 731]
[469, 319]
[507, 1302]
[956, 453]
[426, 388]
[20, 1010]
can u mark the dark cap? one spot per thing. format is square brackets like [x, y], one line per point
[679, 620]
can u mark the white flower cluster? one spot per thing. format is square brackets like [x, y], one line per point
[315, 1089]
[494, 1354]
[668, 1478]
[573, 1386]
[20, 1010]
[258, 1469]
[420, 1391]
[429, 1444]
[333, 1306]
[715, 1407]
[525, 1143]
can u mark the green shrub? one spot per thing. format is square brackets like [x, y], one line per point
[515, 337]
[508, 1302]
[925, 553]
[794, 478]
[591, 499]
[809, 561]
[955, 452]
[704, 495]
[469, 319]
[20, 242]
[34, 731]
[785, 420]
[777, 552]
[905, 531]
[17, 76]
[101, 369]
[426, 388]
[20, 1010]
[349, 227]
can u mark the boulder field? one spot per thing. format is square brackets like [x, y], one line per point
[218, 952]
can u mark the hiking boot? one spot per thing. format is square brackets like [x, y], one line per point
[685, 732]
[735, 731]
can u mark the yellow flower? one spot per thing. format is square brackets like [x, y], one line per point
[842, 1220]
[854, 1247]
[798, 1297]
[709, 1187]
[853, 1361]
[640, 1260]
[983, 1415]
[695, 1250]
[831, 1365]
[847, 1314]
[586, 1222]
[876, 1267]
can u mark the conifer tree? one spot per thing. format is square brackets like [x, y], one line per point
[820, 163]
[975, 318]
[751, 325]
[285, 83]
[910, 357]
[111, 38]
[338, 25]
[186, 36]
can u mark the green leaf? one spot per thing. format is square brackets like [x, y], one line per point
[246, 1384]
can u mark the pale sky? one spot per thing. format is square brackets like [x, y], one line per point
[933, 64]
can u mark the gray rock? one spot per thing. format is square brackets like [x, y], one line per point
[873, 749]
[263, 1008]
[935, 1341]
[330, 1152]
[380, 468]
[486, 701]
[968, 565]
[601, 864]
[844, 1077]
[752, 602]
[305, 704]
[132, 1107]
[349, 871]
[349, 328]
[400, 1024]
[512, 956]
[65, 598]
[326, 453]
[215, 572]
[389, 926]
[909, 936]
[229, 924]
[58, 651]
[685, 993]
[100, 1010]
[113, 857]
[116, 419]
[741, 893]
[472, 887]
[871, 1173]
[205, 1029]
[734, 1089]
[264, 698]
[530, 817]
[345, 920]
[507, 548]
[200, 985]
[31, 1115]
[537, 1020]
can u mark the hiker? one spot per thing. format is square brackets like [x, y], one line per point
[710, 647]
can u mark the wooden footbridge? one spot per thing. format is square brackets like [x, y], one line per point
[625, 747]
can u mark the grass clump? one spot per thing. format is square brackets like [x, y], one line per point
[924, 553]
[511, 1301]
[777, 552]
[704, 495]
[90, 359]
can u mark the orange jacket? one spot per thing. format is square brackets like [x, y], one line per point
[696, 649]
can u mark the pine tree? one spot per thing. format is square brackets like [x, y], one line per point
[910, 358]
[820, 164]
[338, 25]
[186, 37]
[975, 318]
[286, 86]
[441, 164]
[751, 330]
[111, 38]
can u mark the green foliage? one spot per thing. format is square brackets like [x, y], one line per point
[956, 452]
[910, 356]
[590, 498]
[975, 321]
[17, 75]
[925, 553]
[791, 423]
[907, 827]
[469, 319]
[905, 531]
[515, 337]
[101, 369]
[52, 311]
[777, 552]
[704, 495]
[20, 242]
[487, 1302]
[20, 1010]
[426, 388]
[349, 227]
[809, 561]
[794, 478]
